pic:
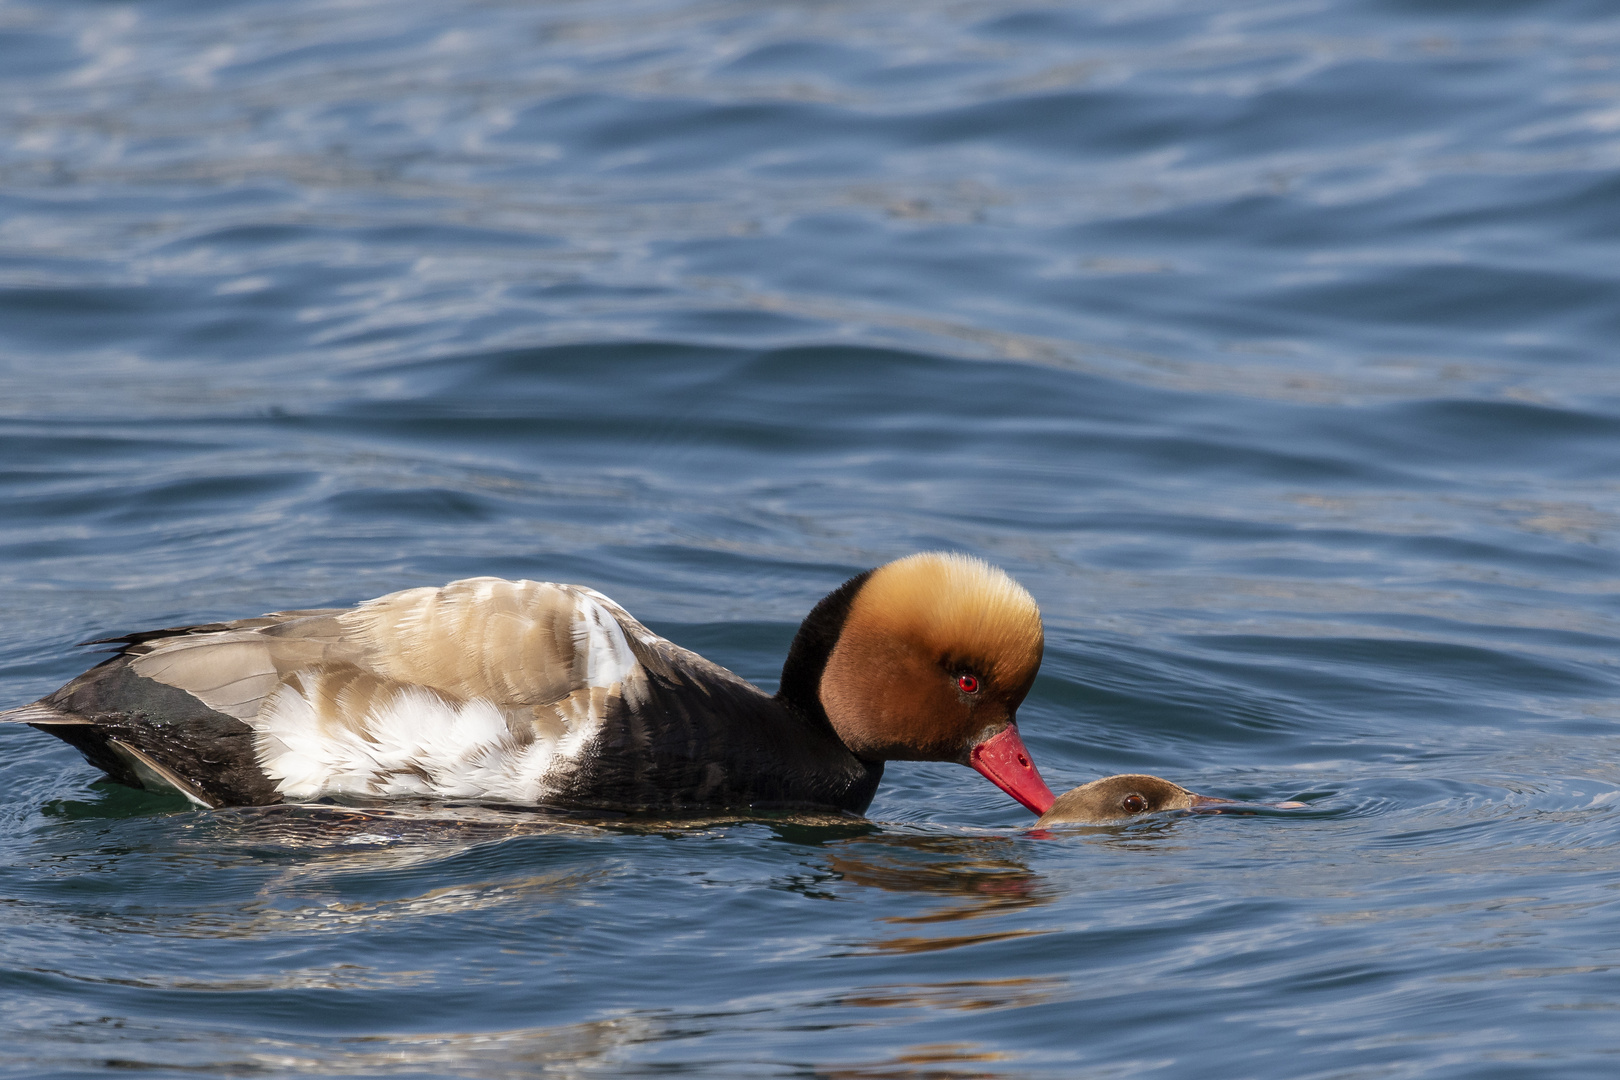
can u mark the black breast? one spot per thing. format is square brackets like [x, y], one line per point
[701, 744]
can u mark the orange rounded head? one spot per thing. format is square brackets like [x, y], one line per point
[932, 660]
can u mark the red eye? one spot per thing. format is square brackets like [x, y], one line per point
[1133, 803]
[968, 684]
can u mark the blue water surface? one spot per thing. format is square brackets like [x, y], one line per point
[1269, 343]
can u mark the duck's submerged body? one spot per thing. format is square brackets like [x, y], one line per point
[542, 694]
[1118, 798]
[1127, 795]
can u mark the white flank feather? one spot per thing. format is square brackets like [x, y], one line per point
[418, 743]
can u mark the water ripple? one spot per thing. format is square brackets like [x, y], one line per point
[1266, 343]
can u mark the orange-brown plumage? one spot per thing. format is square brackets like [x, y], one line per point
[891, 685]
[1121, 797]
[1116, 798]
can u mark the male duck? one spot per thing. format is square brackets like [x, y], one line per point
[532, 693]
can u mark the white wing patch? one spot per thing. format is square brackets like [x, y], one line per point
[597, 634]
[421, 742]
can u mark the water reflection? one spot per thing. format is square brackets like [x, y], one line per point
[493, 1054]
[937, 1061]
[316, 828]
[305, 827]
[968, 995]
[596, 1047]
[977, 877]
[983, 876]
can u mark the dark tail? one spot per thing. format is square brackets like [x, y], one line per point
[39, 713]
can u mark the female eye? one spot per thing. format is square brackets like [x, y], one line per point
[1133, 804]
[968, 684]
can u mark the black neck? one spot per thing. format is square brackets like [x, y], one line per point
[812, 645]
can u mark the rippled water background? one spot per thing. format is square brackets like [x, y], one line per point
[1271, 344]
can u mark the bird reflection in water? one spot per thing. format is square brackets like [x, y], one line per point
[976, 877]
[928, 1061]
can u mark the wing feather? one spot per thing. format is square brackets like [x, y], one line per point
[484, 688]
[39, 713]
[435, 690]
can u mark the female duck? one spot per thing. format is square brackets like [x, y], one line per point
[539, 694]
[1116, 798]
[1127, 795]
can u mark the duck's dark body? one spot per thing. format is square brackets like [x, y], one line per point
[539, 694]
[109, 711]
[718, 745]
[695, 737]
